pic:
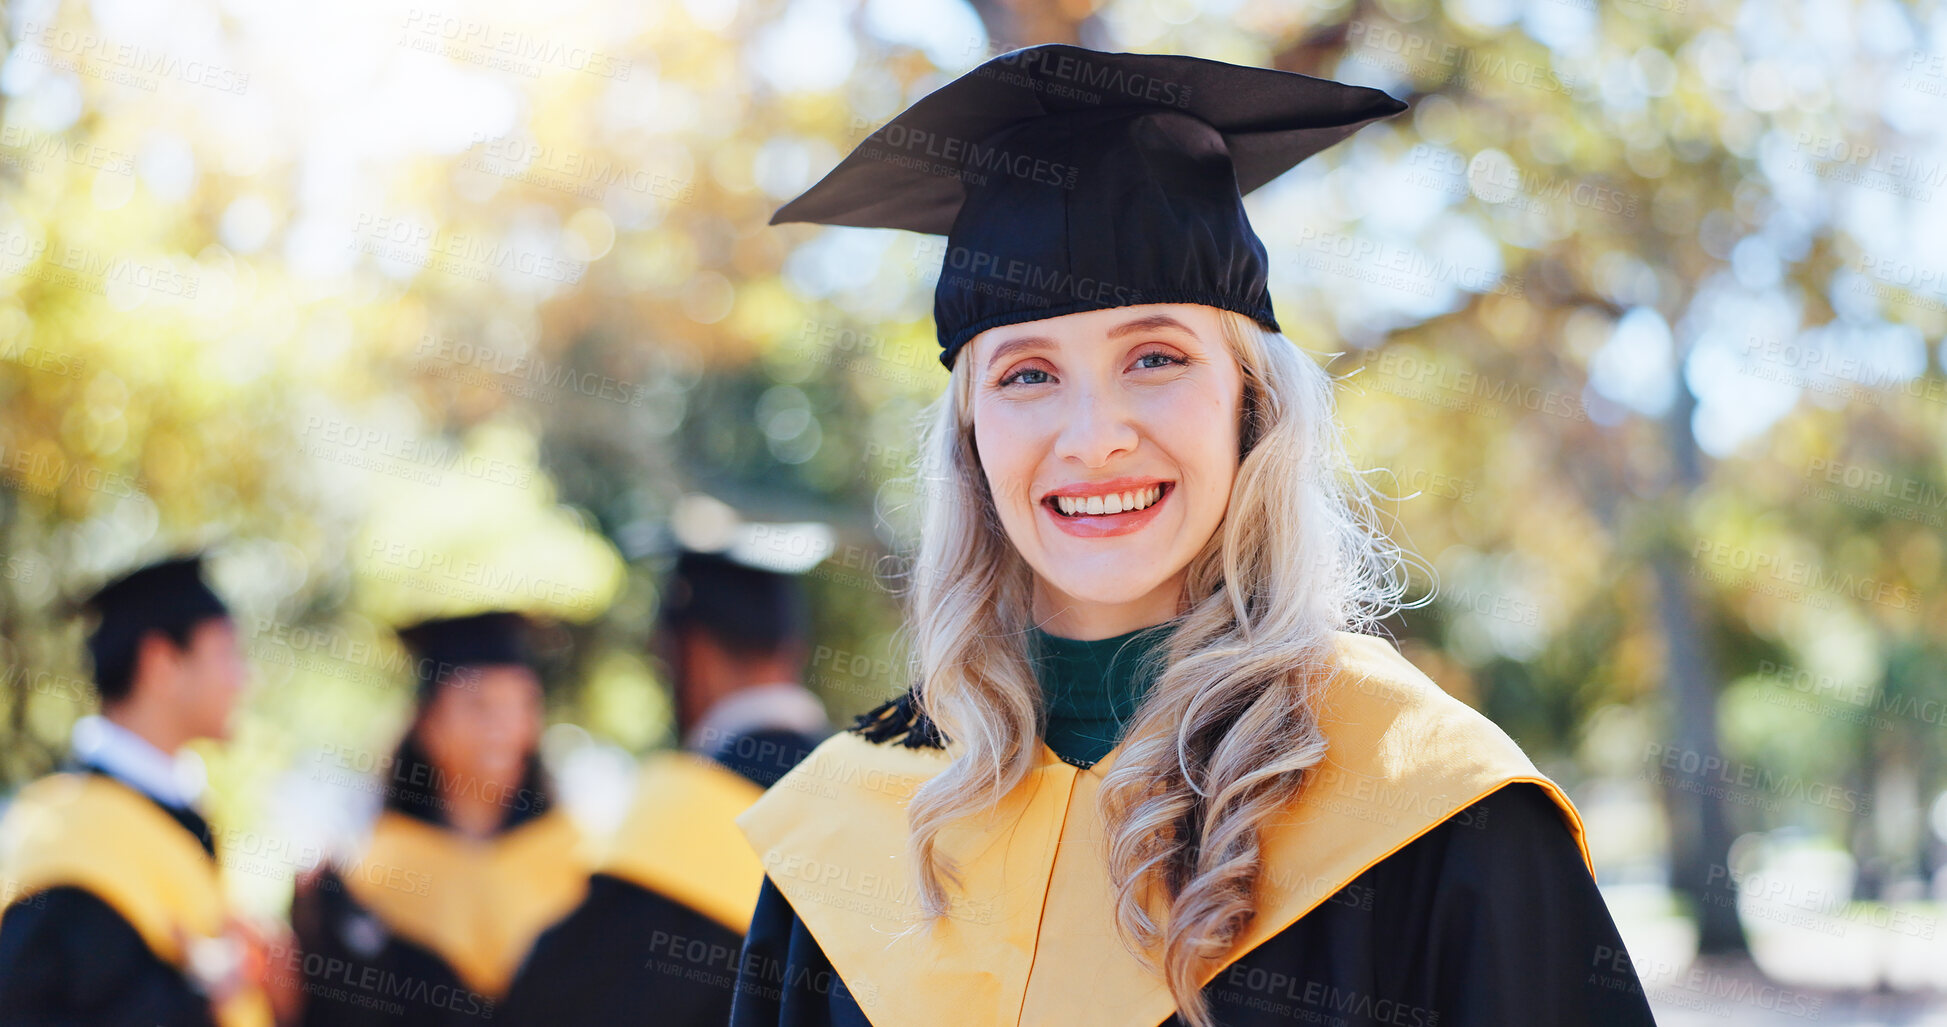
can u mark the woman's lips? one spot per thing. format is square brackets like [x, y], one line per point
[1106, 525]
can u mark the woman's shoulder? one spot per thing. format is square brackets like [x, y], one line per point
[1505, 828]
[1370, 683]
[1368, 660]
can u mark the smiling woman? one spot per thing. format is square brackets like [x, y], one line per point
[1152, 768]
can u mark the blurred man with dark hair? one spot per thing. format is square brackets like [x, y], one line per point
[657, 939]
[115, 910]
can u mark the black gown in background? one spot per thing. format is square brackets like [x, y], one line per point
[357, 971]
[1490, 919]
[630, 955]
[68, 958]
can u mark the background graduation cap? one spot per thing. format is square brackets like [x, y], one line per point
[443, 645]
[735, 578]
[1068, 179]
[169, 596]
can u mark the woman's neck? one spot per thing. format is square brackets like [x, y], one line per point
[471, 811]
[1091, 689]
[1065, 616]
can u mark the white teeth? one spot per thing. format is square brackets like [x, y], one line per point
[1113, 503]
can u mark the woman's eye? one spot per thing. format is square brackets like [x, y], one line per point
[1012, 378]
[1167, 358]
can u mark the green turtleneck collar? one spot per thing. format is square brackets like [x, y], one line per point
[1091, 687]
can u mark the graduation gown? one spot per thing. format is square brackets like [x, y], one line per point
[426, 926]
[103, 883]
[1426, 874]
[657, 939]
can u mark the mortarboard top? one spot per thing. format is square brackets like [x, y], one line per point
[162, 594]
[1067, 179]
[442, 645]
[738, 578]
[700, 523]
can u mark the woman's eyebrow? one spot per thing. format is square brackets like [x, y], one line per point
[1150, 323]
[1013, 346]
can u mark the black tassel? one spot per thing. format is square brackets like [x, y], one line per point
[899, 721]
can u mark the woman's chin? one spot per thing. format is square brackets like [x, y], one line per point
[508, 773]
[1113, 587]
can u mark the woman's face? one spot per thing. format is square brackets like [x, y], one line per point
[483, 723]
[1132, 409]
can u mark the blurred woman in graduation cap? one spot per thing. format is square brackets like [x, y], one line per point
[1151, 767]
[657, 938]
[469, 858]
[114, 906]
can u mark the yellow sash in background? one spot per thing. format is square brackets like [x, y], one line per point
[478, 903]
[680, 838]
[92, 832]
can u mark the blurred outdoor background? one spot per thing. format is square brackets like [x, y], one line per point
[409, 310]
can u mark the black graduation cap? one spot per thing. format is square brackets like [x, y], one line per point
[1067, 179]
[443, 645]
[747, 608]
[739, 579]
[168, 595]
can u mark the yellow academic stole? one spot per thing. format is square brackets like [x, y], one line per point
[1031, 938]
[680, 838]
[92, 832]
[478, 903]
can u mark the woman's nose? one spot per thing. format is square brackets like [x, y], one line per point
[1098, 424]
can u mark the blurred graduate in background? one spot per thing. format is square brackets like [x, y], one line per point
[657, 939]
[115, 912]
[469, 859]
